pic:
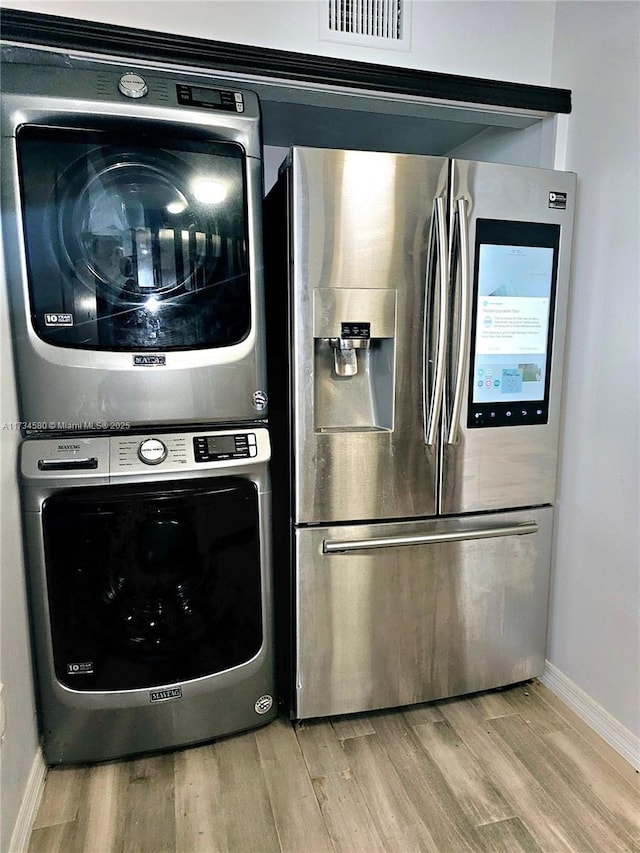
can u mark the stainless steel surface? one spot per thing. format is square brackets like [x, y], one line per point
[332, 305]
[333, 546]
[438, 246]
[342, 204]
[343, 209]
[83, 726]
[461, 244]
[421, 551]
[64, 388]
[506, 467]
[394, 626]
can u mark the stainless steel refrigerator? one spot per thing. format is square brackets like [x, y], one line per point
[416, 314]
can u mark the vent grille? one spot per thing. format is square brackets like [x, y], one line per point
[377, 18]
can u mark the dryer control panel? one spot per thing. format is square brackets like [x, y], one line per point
[209, 98]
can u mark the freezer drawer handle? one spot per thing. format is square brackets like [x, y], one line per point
[334, 546]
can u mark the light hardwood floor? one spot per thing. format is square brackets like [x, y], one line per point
[506, 771]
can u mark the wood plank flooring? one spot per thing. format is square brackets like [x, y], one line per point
[507, 771]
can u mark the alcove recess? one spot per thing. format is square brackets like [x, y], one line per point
[321, 101]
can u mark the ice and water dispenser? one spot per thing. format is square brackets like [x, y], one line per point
[354, 354]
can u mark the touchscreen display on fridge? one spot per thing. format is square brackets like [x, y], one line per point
[515, 279]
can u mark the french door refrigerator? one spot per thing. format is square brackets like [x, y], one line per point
[416, 313]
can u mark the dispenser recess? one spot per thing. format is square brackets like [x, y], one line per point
[354, 358]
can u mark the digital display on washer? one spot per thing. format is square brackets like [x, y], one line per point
[217, 448]
[514, 296]
[221, 444]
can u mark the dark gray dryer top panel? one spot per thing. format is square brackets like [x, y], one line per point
[73, 97]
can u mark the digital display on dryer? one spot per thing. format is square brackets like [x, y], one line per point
[205, 96]
[216, 99]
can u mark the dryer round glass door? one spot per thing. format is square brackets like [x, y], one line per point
[135, 243]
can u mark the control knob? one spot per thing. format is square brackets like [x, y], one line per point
[133, 86]
[152, 451]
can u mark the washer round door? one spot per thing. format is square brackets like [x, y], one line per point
[135, 243]
[153, 584]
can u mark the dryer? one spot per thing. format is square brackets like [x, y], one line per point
[149, 567]
[133, 242]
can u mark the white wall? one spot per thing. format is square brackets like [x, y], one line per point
[531, 146]
[595, 615]
[503, 40]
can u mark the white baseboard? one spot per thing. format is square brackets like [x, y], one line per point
[30, 802]
[616, 735]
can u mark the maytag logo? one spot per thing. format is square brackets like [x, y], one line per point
[149, 360]
[68, 447]
[163, 695]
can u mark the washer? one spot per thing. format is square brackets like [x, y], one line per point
[149, 569]
[132, 234]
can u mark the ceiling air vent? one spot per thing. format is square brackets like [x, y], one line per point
[367, 23]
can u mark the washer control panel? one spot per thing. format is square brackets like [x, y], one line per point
[221, 446]
[110, 458]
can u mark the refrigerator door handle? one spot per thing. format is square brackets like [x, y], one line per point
[460, 242]
[334, 546]
[437, 252]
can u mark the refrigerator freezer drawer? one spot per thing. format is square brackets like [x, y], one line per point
[395, 614]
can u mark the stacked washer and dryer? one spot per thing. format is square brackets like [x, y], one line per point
[132, 236]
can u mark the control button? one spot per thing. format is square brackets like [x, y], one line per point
[252, 438]
[133, 86]
[152, 451]
[253, 451]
